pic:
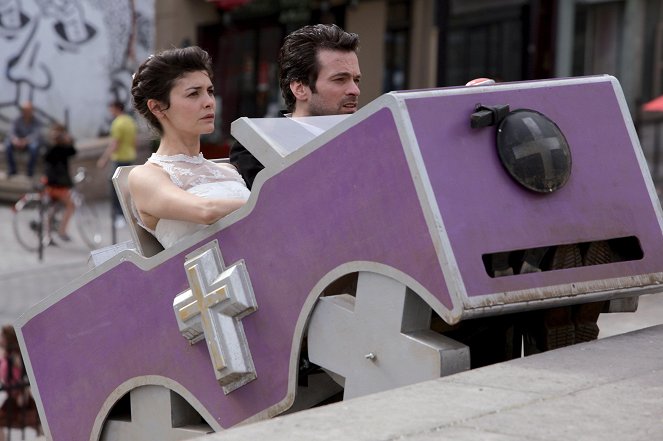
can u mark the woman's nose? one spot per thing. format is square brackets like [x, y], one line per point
[211, 101]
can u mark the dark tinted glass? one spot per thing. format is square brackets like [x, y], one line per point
[534, 150]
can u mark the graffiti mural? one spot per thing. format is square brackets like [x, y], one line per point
[71, 58]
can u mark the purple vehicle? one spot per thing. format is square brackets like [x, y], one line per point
[373, 251]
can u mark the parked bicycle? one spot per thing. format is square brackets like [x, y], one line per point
[37, 217]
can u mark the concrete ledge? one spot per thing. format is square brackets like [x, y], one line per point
[608, 389]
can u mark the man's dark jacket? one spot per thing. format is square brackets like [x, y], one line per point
[247, 165]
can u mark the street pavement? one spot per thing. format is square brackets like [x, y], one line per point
[25, 280]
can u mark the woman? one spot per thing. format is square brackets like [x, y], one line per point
[177, 192]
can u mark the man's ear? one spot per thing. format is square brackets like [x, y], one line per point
[155, 107]
[299, 90]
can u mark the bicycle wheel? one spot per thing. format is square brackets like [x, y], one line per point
[27, 223]
[88, 223]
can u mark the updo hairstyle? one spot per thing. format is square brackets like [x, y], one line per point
[157, 75]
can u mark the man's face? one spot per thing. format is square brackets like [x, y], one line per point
[26, 111]
[337, 87]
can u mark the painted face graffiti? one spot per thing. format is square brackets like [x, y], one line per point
[62, 56]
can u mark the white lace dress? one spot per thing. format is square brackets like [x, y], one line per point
[201, 177]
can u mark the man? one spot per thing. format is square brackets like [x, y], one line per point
[318, 74]
[121, 150]
[25, 135]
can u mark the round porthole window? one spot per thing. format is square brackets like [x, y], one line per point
[534, 150]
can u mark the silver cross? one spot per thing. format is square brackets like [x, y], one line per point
[213, 308]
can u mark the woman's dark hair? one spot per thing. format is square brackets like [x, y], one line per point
[157, 75]
[298, 59]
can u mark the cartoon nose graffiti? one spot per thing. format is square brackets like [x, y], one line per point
[64, 56]
[28, 66]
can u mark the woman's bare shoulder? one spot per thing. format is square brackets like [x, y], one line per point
[226, 166]
[146, 173]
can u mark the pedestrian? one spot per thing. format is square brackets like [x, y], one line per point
[121, 150]
[25, 135]
[19, 409]
[60, 149]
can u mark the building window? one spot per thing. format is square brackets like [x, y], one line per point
[653, 66]
[397, 45]
[486, 43]
[598, 36]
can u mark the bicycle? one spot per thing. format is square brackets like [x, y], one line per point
[37, 216]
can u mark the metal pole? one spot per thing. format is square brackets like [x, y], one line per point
[113, 229]
[42, 225]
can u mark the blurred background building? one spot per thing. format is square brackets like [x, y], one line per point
[72, 57]
[411, 44]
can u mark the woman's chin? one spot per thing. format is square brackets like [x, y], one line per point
[207, 129]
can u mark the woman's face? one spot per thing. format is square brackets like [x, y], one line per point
[192, 106]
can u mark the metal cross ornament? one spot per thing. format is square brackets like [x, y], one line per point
[380, 339]
[213, 307]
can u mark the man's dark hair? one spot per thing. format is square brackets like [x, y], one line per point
[157, 75]
[298, 59]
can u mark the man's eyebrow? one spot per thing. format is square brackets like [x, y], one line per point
[344, 73]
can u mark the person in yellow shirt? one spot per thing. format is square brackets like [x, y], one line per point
[121, 150]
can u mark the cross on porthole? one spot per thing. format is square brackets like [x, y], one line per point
[212, 309]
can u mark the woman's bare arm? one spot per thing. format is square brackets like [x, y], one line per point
[157, 197]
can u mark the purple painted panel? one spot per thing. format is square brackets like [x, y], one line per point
[485, 211]
[351, 200]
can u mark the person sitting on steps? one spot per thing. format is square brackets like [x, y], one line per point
[25, 135]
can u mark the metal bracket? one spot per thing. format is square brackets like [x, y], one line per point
[485, 116]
